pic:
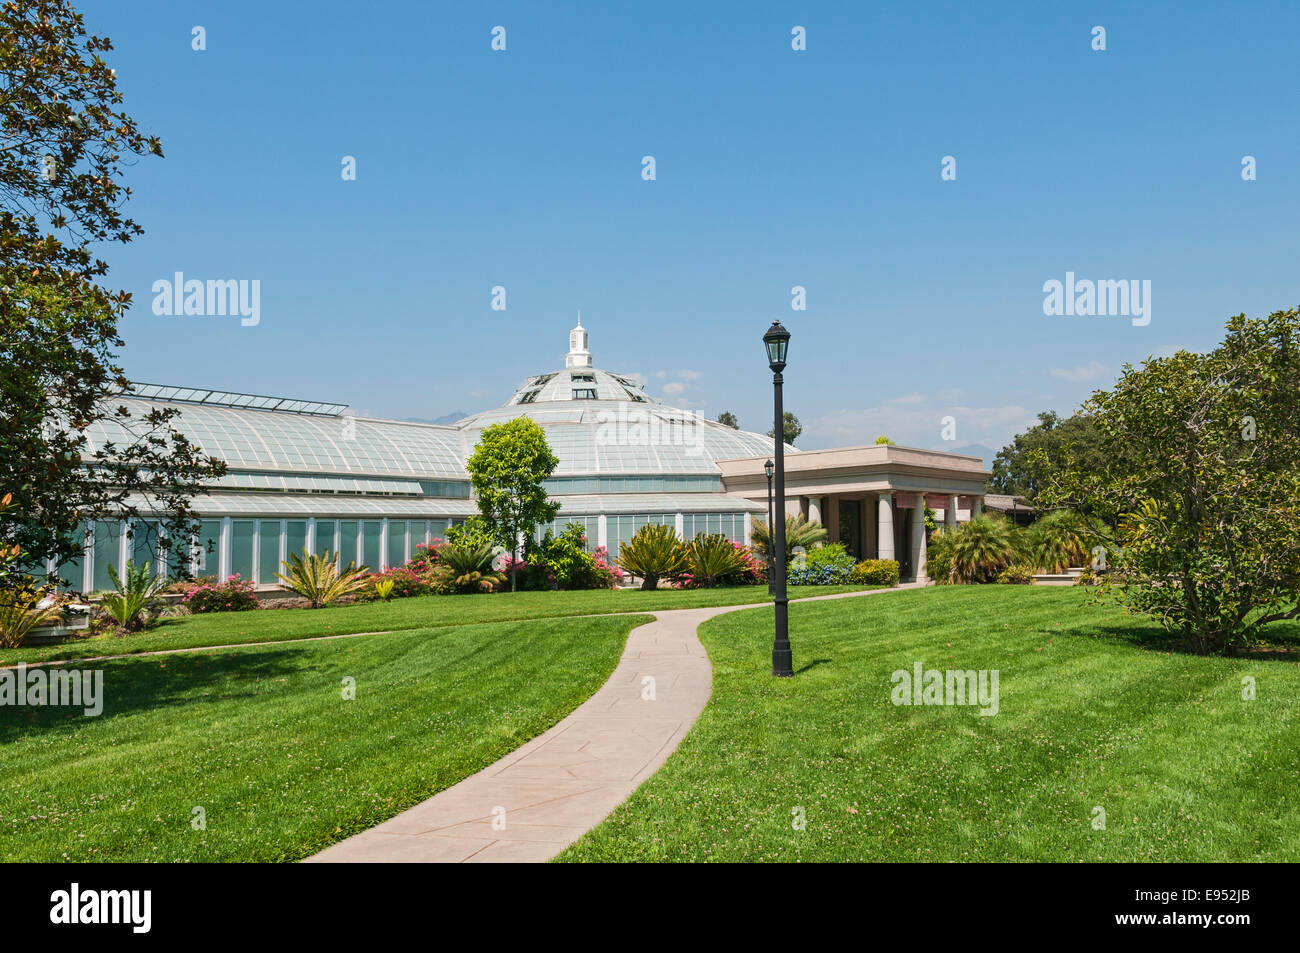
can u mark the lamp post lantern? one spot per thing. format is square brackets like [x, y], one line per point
[768, 468]
[777, 341]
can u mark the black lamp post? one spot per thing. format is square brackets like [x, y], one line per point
[777, 340]
[771, 529]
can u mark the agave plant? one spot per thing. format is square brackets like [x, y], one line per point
[134, 599]
[19, 614]
[318, 579]
[711, 558]
[800, 533]
[654, 553]
[467, 567]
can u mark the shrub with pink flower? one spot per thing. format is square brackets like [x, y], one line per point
[233, 595]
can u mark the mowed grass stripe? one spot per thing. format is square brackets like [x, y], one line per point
[262, 740]
[1183, 766]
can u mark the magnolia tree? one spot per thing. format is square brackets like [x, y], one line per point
[507, 470]
[1199, 469]
[65, 146]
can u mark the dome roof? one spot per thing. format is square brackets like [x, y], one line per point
[599, 422]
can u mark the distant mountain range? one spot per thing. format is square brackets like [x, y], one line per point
[444, 420]
[975, 450]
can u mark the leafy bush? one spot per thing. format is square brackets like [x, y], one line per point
[1017, 574]
[318, 579]
[473, 532]
[233, 595]
[654, 553]
[562, 562]
[829, 554]
[875, 572]
[134, 601]
[383, 589]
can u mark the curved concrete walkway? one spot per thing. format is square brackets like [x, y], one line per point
[541, 797]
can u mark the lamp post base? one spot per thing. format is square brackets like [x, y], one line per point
[782, 663]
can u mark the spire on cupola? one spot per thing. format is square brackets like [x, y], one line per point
[578, 355]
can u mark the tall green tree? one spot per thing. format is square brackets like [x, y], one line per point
[65, 143]
[791, 426]
[507, 470]
[728, 419]
[1198, 461]
[1027, 464]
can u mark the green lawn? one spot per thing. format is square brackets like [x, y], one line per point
[1095, 711]
[263, 741]
[234, 628]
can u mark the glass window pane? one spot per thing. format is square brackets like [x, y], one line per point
[207, 548]
[396, 543]
[325, 538]
[107, 535]
[268, 561]
[241, 548]
[295, 537]
[348, 541]
[371, 531]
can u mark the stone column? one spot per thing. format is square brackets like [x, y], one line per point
[918, 539]
[885, 526]
[950, 512]
[815, 509]
[833, 519]
[977, 506]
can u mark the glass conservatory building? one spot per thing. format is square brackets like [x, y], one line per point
[304, 474]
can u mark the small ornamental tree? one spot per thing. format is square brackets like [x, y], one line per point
[507, 470]
[1199, 467]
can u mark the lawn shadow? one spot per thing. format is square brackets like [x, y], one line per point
[150, 683]
[1283, 646]
[813, 664]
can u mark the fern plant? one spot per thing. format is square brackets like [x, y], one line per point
[133, 602]
[384, 589]
[654, 553]
[318, 579]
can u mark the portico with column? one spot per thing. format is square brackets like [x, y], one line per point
[872, 499]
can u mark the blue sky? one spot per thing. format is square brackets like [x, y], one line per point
[775, 168]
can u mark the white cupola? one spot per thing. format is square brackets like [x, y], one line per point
[578, 355]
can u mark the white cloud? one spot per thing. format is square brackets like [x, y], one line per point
[1084, 372]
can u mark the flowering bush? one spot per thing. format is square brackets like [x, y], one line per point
[826, 574]
[233, 595]
[561, 562]
[406, 580]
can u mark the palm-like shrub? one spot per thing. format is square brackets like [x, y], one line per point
[1060, 540]
[654, 553]
[466, 567]
[318, 579]
[19, 614]
[980, 549]
[134, 600]
[800, 533]
[711, 558]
